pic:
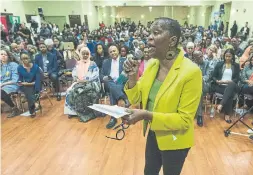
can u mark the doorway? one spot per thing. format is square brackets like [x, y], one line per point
[75, 19]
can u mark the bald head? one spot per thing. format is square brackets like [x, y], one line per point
[197, 57]
[113, 52]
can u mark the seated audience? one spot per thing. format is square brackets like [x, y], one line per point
[219, 48]
[50, 47]
[123, 51]
[16, 52]
[100, 55]
[225, 78]
[204, 67]
[244, 58]
[32, 51]
[144, 62]
[211, 57]
[247, 78]
[235, 43]
[29, 81]
[110, 74]
[58, 45]
[189, 50]
[85, 90]
[9, 79]
[48, 63]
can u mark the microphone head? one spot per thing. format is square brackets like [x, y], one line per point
[137, 55]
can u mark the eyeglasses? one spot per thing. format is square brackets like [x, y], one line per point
[120, 134]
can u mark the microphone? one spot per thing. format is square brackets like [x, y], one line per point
[134, 55]
[137, 55]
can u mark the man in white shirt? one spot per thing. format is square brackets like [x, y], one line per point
[114, 80]
[245, 31]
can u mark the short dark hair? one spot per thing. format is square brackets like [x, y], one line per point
[172, 26]
[127, 49]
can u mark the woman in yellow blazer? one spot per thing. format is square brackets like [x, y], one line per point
[170, 91]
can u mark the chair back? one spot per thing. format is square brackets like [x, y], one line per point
[70, 63]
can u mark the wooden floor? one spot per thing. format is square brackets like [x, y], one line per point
[52, 144]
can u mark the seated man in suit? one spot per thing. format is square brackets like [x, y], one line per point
[48, 63]
[50, 47]
[112, 76]
[204, 67]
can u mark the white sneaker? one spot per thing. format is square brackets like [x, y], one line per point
[250, 131]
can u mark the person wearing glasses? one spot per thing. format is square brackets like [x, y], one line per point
[29, 81]
[170, 91]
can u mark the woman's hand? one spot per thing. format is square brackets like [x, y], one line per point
[219, 81]
[131, 66]
[250, 82]
[136, 115]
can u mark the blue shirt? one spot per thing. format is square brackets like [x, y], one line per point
[33, 76]
[9, 72]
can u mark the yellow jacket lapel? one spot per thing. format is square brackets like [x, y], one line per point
[170, 78]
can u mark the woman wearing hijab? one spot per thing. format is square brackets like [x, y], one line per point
[244, 58]
[170, 91]
[85, 90]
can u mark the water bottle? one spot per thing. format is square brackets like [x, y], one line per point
[212, 112]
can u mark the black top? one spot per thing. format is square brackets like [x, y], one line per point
[26, 31]
[219, 70]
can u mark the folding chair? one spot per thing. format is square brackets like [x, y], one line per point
[66, 75]
[16, 98]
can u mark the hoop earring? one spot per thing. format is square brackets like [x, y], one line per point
[170, 55]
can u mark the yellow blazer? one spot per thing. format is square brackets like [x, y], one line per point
[176, 102]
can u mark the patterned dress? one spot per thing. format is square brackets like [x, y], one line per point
[80, 95]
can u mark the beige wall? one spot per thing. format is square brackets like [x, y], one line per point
[233, 11]
[237, 13]
[15, 7]
[64, 8]
[53, 8]
[136, 13]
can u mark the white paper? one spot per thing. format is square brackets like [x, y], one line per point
[114, 111]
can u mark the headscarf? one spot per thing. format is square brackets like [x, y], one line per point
[245, 56]
[82, 66]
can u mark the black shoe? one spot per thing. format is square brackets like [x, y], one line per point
[229, 121]
[58, 97]
[200, 121]
[33, 115]
[71, 116]
[111, 123]
[14, 112]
